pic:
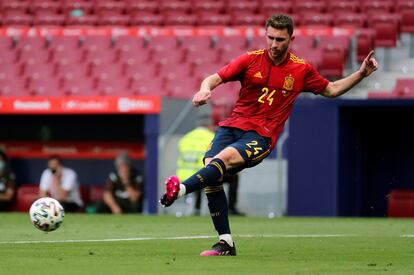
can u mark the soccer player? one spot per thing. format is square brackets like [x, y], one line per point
[271, 79]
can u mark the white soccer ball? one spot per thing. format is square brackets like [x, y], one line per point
[47, 214]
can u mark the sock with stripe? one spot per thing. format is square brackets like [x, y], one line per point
[217, 204]
[211, 175]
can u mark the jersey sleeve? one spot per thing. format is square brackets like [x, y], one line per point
[314, 82]
[233, 70]
[69, 181]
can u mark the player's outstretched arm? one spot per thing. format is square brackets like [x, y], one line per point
[207, 85]
[339, 87]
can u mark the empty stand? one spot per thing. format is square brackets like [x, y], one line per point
[404, 87]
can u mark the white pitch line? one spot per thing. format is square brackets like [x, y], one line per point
[180, 238]
[408, 236]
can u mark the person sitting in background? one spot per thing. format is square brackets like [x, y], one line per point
[61, 183]
[124, 188]
[7, 183]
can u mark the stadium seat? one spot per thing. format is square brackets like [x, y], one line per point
[332, 61]
[20, 6]
[242, 6]
[100, 57]
[148, 86]
[64, 43]
[35, 70]
[132, 57]
[257, 42]
[365, 40]
[13, 86]
[308, 7]
[204, 70]
[173, 19]
[109, 5]
[66, 56]
[49, 19]
[146, 19]
[174, 6]
[376, 7]
[86, 19]
[404, 88]
[45, 7]
[226, 94]
[7, 56]
[181, 87]
[45, 86]
[406, 11]
[106, 71]
[208, 57]
[311, 55]
[198, 43]
[207, 19]
[303, 41]
[113, 20]
[95, 42]
[209, 7]
[400, 203]
[268, 7]
[113, 87]
[340, 7]
[243, 19]
[72, 71]
[25, 196]
[142, 7]
[172, 70]
[350, 20]
[232, 41]
[17, 20]
[82, 86]
[128, 43]
[386, 27]
[317, 19]
[338, 41]
[166, 57]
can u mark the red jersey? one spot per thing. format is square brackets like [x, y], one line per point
[268, 91]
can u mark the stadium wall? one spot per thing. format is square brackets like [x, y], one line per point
[345, 156]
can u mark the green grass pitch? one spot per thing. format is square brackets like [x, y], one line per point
[98, 244]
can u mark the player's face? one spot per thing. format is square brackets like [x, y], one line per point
[278, 41]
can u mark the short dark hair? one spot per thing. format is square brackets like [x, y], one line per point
[55, 157]
[280, 22]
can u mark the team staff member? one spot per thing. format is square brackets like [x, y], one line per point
[271, 79]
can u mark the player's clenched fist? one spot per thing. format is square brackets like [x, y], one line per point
[201, 97]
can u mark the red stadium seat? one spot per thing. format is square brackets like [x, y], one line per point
[208, 19]
[163, 57]
[199, 43]
[226, 94]
[350, 20]
[7, 56]
[208, 57]
[204, 70]
[13, 86]
[146, 19]
[86, 19]
[332, 61]
[209, 6]
[257, 42]
[143, 7]
[340, 7]
[129, 43]
[82, 86]
[21, 6]
[100, 57]
[311, 55]
[400, 203]
[113, 20]
[64, 43]
[242, 6]
[303, 41]
[375, 7]
[140, 73]
[172, 19]
[39, 70]
[148, 86]
[268, 7]
[49, 19]
[17, 20]
[113, 87]
[45, 86]
[242, 19]
[234, 41]
[6, 43]
[404, 88]
[365, 40]
[172, 71]
[309, 6]
[39, 7]
[317, 19]
[168, 6]
[406, 10]
[162, 43]
[109, 5]
[95, 42]
[72, 71]
[337, 41]
[25, 196]
[182, 87]
[386, 27]
[132, 57]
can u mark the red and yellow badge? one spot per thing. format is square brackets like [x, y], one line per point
[288, 85]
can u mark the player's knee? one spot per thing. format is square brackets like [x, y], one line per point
[231, 158]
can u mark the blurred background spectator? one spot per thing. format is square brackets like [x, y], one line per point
[61, 183]
[124, 188]
[7, 183]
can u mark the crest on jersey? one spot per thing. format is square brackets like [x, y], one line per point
[288, 85]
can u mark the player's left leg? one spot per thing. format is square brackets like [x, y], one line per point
[252, 148]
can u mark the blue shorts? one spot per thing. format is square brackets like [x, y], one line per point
[251, 146]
